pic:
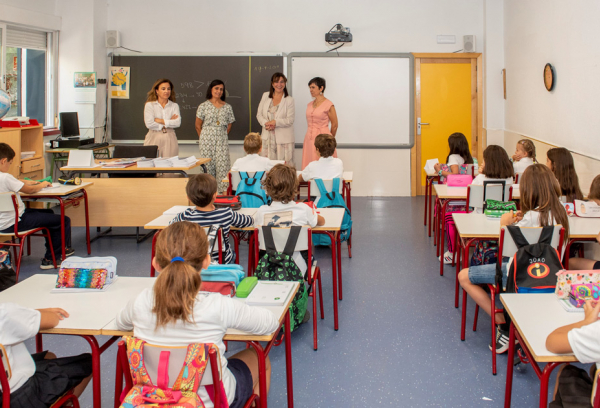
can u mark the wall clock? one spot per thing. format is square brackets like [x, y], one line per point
[549, 77]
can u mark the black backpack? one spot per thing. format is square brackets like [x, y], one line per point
[280, 266]
[534, 266]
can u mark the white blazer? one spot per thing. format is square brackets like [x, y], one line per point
[284, 119]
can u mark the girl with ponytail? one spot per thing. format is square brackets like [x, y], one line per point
[175, 313]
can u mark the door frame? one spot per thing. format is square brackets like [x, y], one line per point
[478, 137]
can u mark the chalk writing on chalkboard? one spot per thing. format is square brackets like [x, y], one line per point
[266, 67]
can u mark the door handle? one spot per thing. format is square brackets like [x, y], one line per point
[419, 124]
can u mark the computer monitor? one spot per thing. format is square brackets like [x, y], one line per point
[69, 124]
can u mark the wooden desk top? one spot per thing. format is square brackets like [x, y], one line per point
[62, 190]
[444, 192]
[200, 162]
[536, 326]
[232, 334]
[474, 225]
[89, 312]
[67, 150]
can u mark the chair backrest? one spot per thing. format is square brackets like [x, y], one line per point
[532, 235]
[280, 236]
[6, 201]
[471, 169]
[131, 151]
[313, 190]
[219, 242]
[595, 394]
[517, 175]
[493, 192]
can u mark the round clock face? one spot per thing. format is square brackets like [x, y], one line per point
[549, 77]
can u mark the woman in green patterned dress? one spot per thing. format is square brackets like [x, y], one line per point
[213, 123]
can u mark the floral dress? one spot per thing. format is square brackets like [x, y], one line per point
[214, 143]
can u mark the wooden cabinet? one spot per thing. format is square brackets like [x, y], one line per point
[26, 139]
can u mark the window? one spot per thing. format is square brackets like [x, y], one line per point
[26, 76]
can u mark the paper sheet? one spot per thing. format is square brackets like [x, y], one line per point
[429, 165]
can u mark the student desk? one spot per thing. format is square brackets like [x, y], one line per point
[62, 154]
[534, 317]
[281, 312]
[62, 194]
[134, 169]
[89, 312]
[162, 222]
[430, 177]
[581, 229]
[444, 195]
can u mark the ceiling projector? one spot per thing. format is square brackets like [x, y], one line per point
[338, 33]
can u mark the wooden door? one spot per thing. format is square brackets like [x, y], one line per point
[447, 100]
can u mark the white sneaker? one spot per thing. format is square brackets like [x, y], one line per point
[447, 257]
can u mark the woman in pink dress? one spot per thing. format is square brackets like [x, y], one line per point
[318, 115]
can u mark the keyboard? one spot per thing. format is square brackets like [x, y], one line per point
[93, 146]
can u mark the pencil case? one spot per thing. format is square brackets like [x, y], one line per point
[584, 291]
[223, 273]
[87, 273]
[232, 202]
[566, 279]
[459, 180]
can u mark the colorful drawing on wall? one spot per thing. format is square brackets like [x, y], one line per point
[119, 82]
[85, 80]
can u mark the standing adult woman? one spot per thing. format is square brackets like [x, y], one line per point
[213, 123]
[276, 113]
[161, 115]
[319, 113]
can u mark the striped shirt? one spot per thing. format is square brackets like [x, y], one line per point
[223, 217]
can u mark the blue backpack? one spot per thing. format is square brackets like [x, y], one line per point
[332, 199]
[250, 190]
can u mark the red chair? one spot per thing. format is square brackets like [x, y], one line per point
[304, 243]
[69, 396]
[152, 353]
[9, 202]
[508, 248]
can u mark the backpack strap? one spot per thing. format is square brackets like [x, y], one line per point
[321, 187]
[546, 235]
[249, 181]
[517, 236]
[290, 245]
[162, 380]
[268, 236]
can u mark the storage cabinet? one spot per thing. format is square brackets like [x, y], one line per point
[26, 139]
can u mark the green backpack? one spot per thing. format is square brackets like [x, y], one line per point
[280, 266]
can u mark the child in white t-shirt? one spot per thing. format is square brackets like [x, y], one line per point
[327, 167]
[39, 379]
[524, 155]
[540, 206]
[496, 166]
[459, 155]
[282, 186]
[583, 340]
[252, 161]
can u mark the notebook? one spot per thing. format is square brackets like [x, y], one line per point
[268, 293]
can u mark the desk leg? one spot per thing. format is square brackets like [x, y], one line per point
[87, 222]
[62, 227]
[544, 379]
[442, 240]
[430, 203]
[339, 261]
[262, 372]
[510, 366]
[436, 219]
[426, 198]
[288, 360]
[95, 370]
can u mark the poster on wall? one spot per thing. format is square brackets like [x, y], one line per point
[119, 82]
[84, 80]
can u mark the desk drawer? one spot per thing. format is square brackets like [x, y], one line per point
[32, 165]
[34, 175]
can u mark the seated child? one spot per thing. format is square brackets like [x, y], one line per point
[574, 385]
[174, 312]
[30, 218]
[458, 156]
[252, 161]
[40, 379]
[582, 263]
[524, 155]
[496, 166]
[201, 190]
[282, 185]
[327, 167]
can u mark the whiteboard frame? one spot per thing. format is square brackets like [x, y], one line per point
[179, 54]
[411, 74]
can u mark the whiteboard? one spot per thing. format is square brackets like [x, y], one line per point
[372, 94]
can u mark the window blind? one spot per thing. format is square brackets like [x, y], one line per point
[22, 38]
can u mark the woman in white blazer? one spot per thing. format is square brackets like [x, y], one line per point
[276, 113]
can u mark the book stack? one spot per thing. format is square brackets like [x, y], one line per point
[165, 161]
[146, 163]
[186, 162]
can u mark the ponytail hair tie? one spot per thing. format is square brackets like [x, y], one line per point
[177, 258]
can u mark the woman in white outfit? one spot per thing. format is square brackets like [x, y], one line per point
[161, 115]
[276, 113]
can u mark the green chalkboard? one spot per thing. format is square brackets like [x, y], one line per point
[246, 79]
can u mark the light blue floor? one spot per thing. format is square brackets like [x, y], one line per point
[398, 343]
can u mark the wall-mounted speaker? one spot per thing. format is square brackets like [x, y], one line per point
[113, 39]
[469, 43]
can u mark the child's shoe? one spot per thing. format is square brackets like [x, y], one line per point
[447, 257]
[69, 251]
[501, 341]
[47, 264]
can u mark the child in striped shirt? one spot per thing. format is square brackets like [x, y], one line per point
[202, 191]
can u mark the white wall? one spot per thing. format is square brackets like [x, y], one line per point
[38, 14]
[565, 34]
